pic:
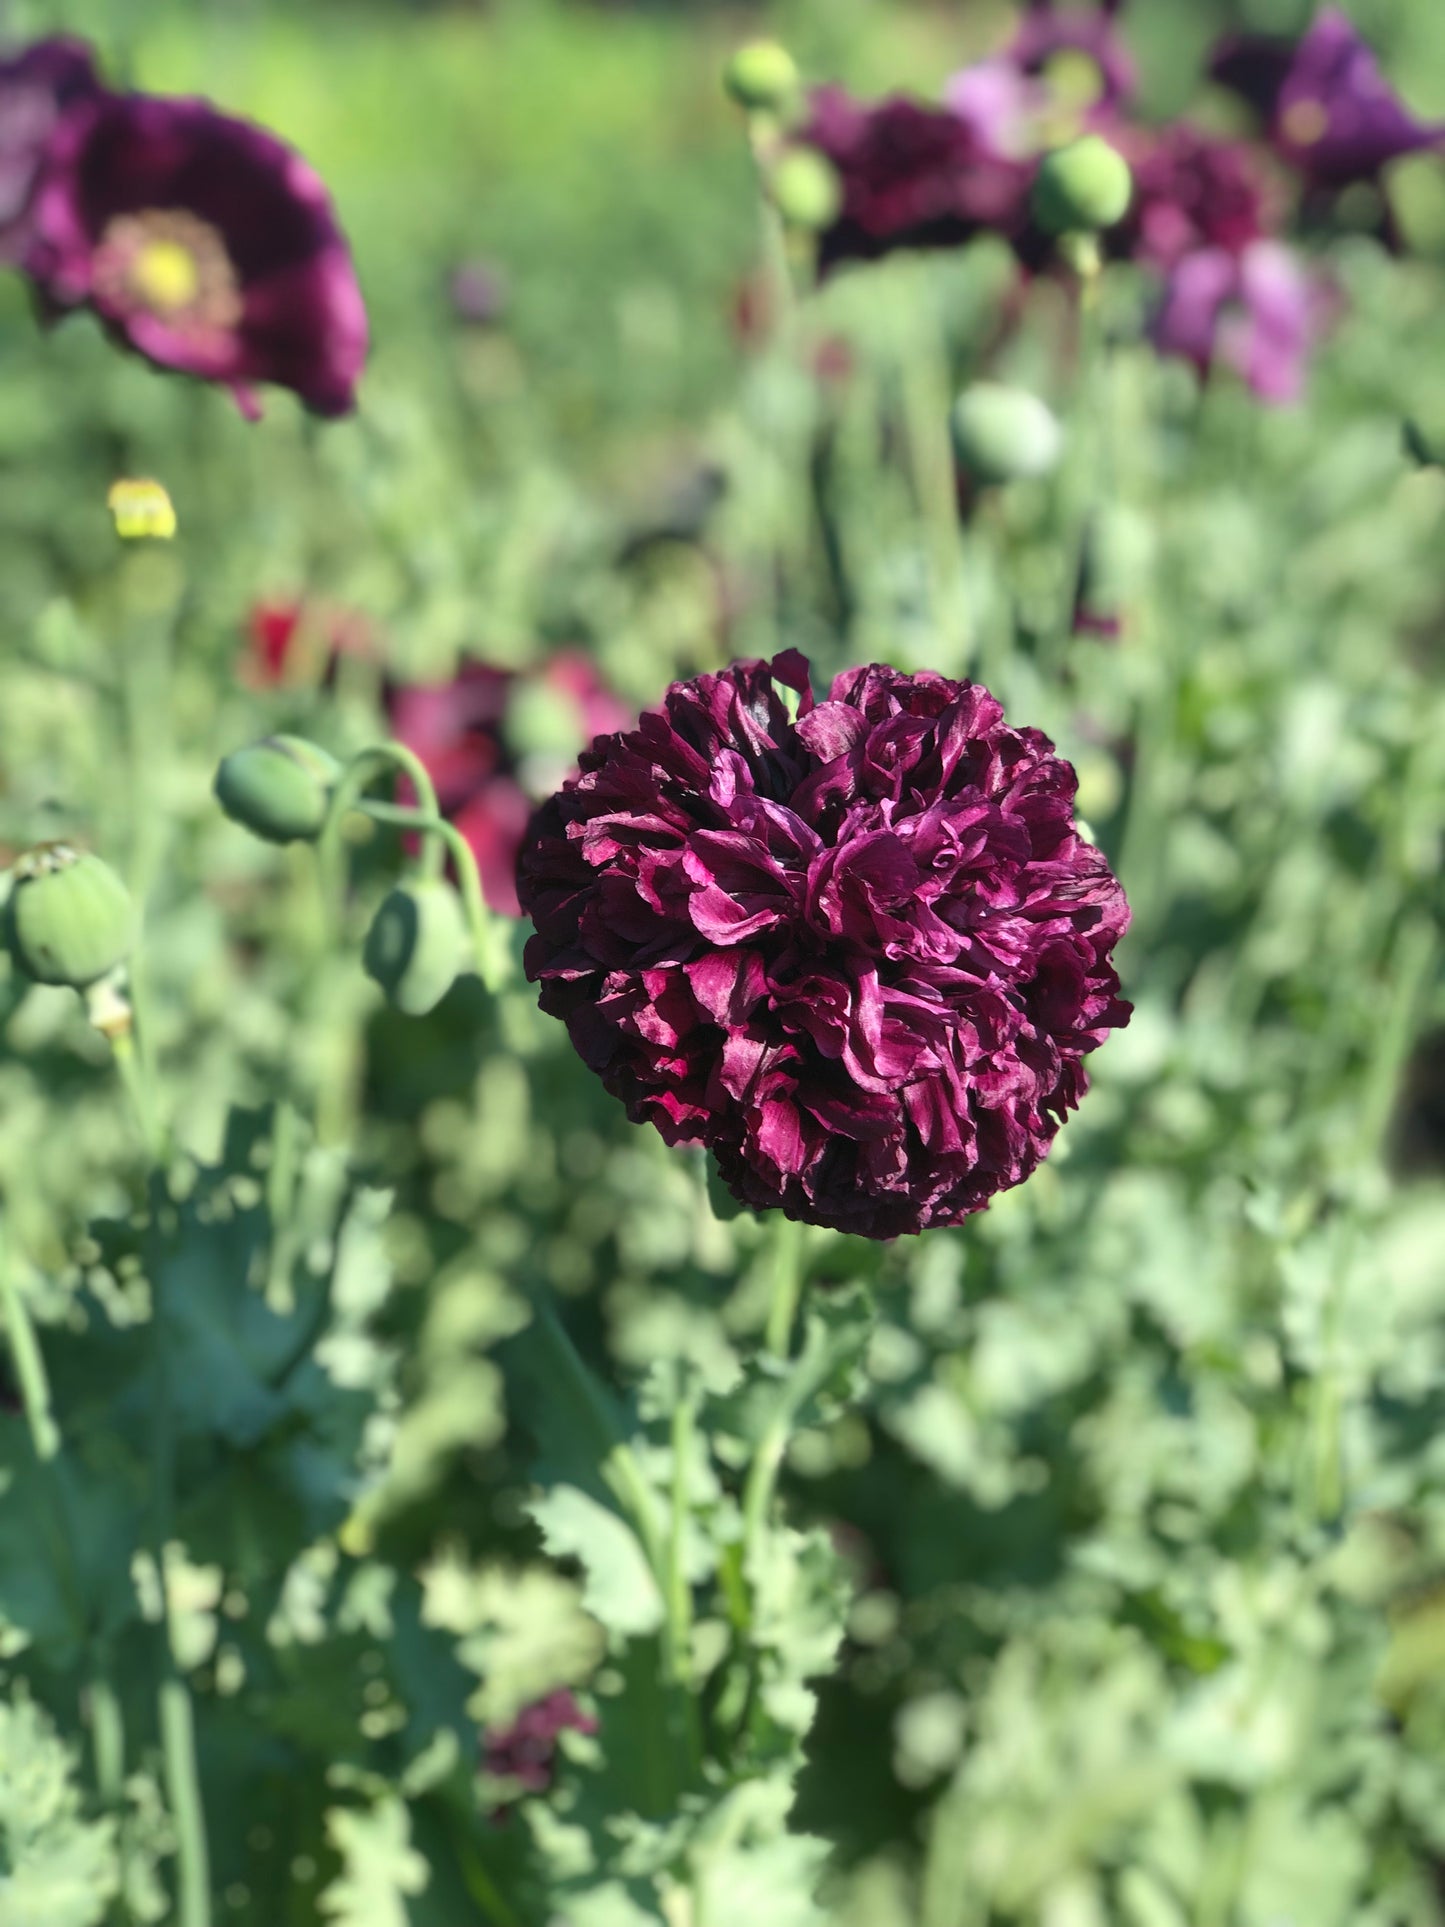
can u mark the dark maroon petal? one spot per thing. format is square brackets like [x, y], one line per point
[860, 955]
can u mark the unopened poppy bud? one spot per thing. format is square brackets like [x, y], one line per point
[1004, 434]
[1083, 187]
[279, 788]
[142, 510]
[761, 76]
[806, 189]
[415, 944]
[69, 919]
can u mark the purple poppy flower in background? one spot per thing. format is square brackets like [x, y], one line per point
[526, 1751]
[1329, 110]
[1051, 39]
[1260, 312]
[1192, 190]
[859, 953]
[912, 176]
[202, 242]
[36, 89]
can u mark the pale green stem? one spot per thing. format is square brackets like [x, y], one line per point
[679, 1587]
[29, 1360]
[787, 1255]
[787, 1287]
[346, 795]
[923, 377]
[107, 1729]
[177, 1722]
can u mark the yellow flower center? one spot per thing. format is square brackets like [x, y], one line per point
[1305, 122]
[169, 263]
[165, 275]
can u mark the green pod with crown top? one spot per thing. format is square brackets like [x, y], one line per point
[279, 789]
[415, 944]
[69, 919]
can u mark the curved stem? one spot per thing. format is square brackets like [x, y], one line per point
[491, 965]
[353, 779]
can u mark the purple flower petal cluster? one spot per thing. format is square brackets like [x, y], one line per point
[202, 242]
[1259, 312]
[860, 952]
[526, 1751]
[1208, 215]
[1328, 109]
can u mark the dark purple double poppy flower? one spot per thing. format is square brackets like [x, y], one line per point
[202, 242]
[857, 948]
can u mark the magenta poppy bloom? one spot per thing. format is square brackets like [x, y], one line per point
[496, 740]
[37, 88]
[203, 243]
[1259, 312]
[912, 176]
[859, 952]
[1329, 110]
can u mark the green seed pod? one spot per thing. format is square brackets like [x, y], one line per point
[806, 189]
[1004, 434]
[761, 76]
[69, 919]
[1083, 187]
[279, 788]
[414, 945]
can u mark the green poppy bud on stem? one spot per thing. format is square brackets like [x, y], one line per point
[762, 76]
[1004, 434]
[806, 189]
[414, 945]
[69, 919]
[279, 788]
[1083, 187]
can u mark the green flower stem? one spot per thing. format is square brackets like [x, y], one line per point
[29, 1361]
[777, 267]
[762, 1479]
[107, 1730]
[787, 1256]
[177, 1720]
[679, 1587]
[366, 764]
[924, 381]
[490, 960]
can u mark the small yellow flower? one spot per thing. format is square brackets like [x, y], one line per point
[142, 509]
